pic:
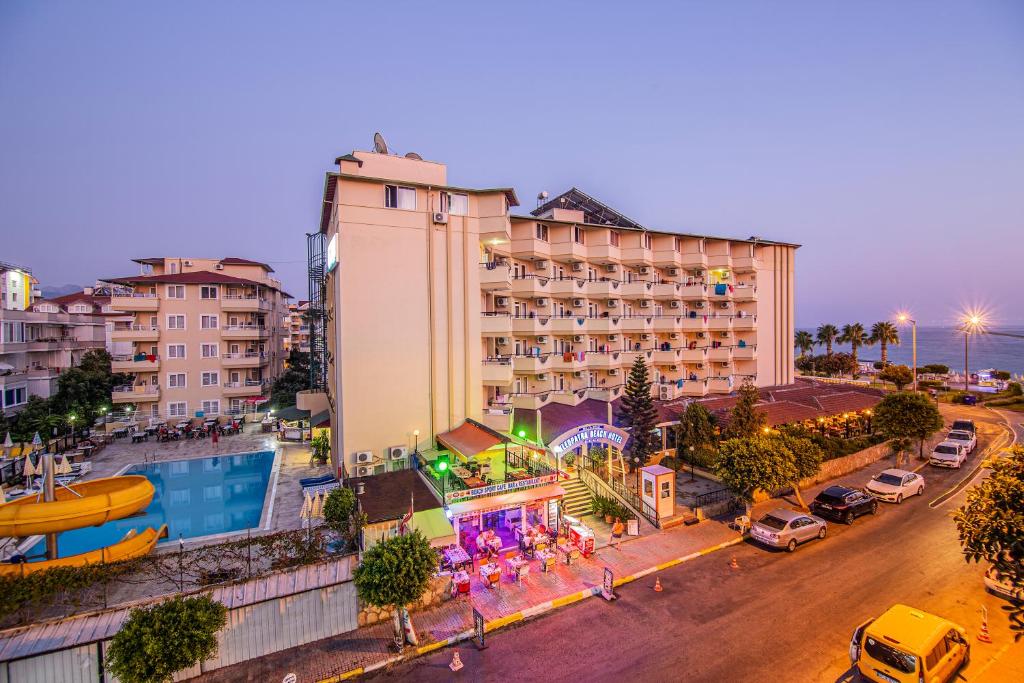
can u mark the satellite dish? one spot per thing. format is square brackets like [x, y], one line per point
[380, 146]
[413, 155]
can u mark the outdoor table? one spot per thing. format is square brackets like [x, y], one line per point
[461, 472]
[547, 560]
[120, 431]
[570, 551]
[515, 566]
[460, 582]
[457, 557]
[182, 425]
[473, 482]
[152, 429]
[141, 436]
[490, 574]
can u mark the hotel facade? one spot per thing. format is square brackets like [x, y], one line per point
[204, 335]
[446, 306]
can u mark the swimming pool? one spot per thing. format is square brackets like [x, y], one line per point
[199, 497]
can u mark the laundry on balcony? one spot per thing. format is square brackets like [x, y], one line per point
[679, 383]
[693, 345]
[139, 357]
[721, 288]
[693, 314]
[666, 346]
[742, 344]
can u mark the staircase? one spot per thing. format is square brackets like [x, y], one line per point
[578, 500]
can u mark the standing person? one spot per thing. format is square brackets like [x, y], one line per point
[215, 433]
[618, 528]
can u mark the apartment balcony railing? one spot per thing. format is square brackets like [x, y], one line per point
[604, 324]
[604, 360]
[748, 352]
[496, 324]
[668, 356]
[495, 276]
[695, 387]
[720, 354]
[721, 384]
[604, 253]
[531, 286]
[694, 323]
[248, 387]
[720, 323]
[531, 247]
[532, 325]
[692, 261]
[569, 251]
[570, 362]
[244, 331]
[629, 357]
[667, 258]
[744, 322]
[637, 256]
[248, 359]
[696, 354]
[693, 291]
[668, 323]
[531, 401]
[568, 287]
[603, 288]
[134, 363]
[666, 290]
[637, 323]
[135, 393]
[569, 324]
[636, 290]
[138, 301]
[135, 333]
[531, 364]
[719, 261]
[744, 264]
[497, 371]
[244, 302]
[607, 393]
[744, 293]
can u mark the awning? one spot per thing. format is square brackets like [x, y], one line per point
[469, 439]
[434, 524]
[291, 414]
[322, 419]
[257, 399]
[507, 500]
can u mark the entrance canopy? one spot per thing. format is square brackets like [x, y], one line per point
[506, 500]
[604, 434]
[435, 526]
[470, 439]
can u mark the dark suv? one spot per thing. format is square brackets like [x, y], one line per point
[843, 504]
[964, 426]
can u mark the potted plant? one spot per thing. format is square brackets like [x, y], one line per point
[569, 460]
[321, 447]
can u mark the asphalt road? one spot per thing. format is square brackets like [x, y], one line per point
[779, 617]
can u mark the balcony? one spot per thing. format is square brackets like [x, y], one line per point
[530, 286]
[697, 387]
[719, 261]
[744, 264]
[720, 385]
[496, 324]
[692, 261]
[719, 292]
[721, 354]
[566, 325]
[531, 365]
[531, 248]
[135, 302]
[569, 252]
[606, 394]
[134, 363]
[569, 362]
[744, 353]
[669, 323]
[249, 387]
[244, 303]
[531, 401]
[568, 287]
[744, 293]
[139, 333]
[531, 325]
[637, 323]
[569, 397]
[637, 256]
[627, 358]
[604, 360]
[497, 372]
[696, 323]
[604, 253]
[603, 288]
[745, 322]
[695, 355]
[667, 258]
[135, 393]
[668, 356]
[720, 323]
[247, 331]
[495, 277]
[636, 290]
[249, 359]
[693, 290]
[605, 325]
[666, 290]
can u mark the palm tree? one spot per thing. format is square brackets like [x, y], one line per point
[884, 333]
[826, 335]
[854, 335]
[803, 341]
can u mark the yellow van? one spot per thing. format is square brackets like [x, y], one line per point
[907, 645]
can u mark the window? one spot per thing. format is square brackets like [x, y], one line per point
[172, 267]
[578, 235]
[15, 397]
[677, 244]
[396, 197]
[209, 350]
[542, 232]
[211, 379]
[458, 204]
[176, 380]
[211, 407]
[208, 322]
[14, 332]
[81, 308]
[177, 409]
[613, 238]
[175, 350]
[208, 292]
[175, 291]
[647, 240]
[176, 322]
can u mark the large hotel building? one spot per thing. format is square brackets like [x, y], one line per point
[445, 305]
[203, 336]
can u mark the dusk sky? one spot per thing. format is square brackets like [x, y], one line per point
[887, 138]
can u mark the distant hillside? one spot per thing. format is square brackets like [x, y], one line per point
[59, 290]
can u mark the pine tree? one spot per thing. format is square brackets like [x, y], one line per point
[695, 429]
[639, 413]
[745, 421]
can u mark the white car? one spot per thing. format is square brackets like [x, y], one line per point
[965, 438]
[894, 485]
[948, 454]
[1003, 588]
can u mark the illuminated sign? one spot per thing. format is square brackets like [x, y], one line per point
[495, 489]
[587, 434]
[332, 253]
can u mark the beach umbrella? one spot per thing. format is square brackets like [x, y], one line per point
[65, 466]
[30, 471]
[3, 494]
[307, 505]
[8, 445]
[36, 441]
[317, 510]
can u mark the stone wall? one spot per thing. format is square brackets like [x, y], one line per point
[439, 590]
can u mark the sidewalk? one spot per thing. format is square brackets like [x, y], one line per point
[370, 648]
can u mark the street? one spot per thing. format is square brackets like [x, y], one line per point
[777, 617]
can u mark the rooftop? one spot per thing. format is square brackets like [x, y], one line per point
[387, 496]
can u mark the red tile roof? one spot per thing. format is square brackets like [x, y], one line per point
[786, 412]
[199, 277]
[847, 402]
[469, 439]
[235, 261]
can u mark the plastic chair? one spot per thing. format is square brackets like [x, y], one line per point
[742, 523]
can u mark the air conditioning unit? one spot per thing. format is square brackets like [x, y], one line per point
[578, 373]
[613, 303]
[645, 270]
[577, 338]
[501, 301]
[364, 471]
[613, 371]
[701, 335]
[610, 268]
[699, 304]
[723, 335]
[188, 264]
[542, 376]
[698, 272]
[645, 337]
[577, 267]
[398, 452]
[673, 272]
[502, 341]
[440, 218]
[541, 301]
[665, 392]
[700, 366]
[674, 335]
[540, 265]
[578, 303]
[724, 364]
[542, 339]
[219, 266]
[364, 457]
[674, 304]
[645, 303]
[613, 337]
[724, 304]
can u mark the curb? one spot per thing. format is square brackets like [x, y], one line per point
[529, 613]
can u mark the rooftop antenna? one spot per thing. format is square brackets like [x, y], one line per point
[380, 146]
[541, 196]
[413, 155]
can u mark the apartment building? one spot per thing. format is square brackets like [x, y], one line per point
[38, 340]
[94, 301]
[446, 306]
[205, 336]
[296, 328]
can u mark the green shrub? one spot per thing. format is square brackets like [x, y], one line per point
[340, 511]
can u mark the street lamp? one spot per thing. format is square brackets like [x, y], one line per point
[636, 467]
[972, 322]
[692, 478]
[415, 441]
[904, 318]
[71, 421]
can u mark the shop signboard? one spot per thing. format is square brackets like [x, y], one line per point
[478, 626]
[495, 489]
[589, 434]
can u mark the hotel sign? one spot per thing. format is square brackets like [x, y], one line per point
[496, 489]
[588, 434]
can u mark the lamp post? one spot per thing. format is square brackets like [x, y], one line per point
[636, 468]
[971, 324]
[904, 318]
[415, 442]
[692, 478]
[71, 421]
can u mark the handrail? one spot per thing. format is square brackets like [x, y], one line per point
[623, 494]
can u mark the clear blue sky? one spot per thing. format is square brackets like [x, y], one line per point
[888, 138]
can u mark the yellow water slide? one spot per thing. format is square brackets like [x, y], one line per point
[128, 548]
[89, 503]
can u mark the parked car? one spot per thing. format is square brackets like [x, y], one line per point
[964, 425]
[948, 454]
[894, 485]
[907, 645]
[843, 504]
[1002, 588]
[787, 529]
[965, 438]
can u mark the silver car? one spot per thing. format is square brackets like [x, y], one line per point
[787, 529]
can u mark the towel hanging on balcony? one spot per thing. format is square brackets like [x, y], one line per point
[742, 344]
[730, 288]
[679, 383]
[720, 288]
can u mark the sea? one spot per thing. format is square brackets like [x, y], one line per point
[945, 345]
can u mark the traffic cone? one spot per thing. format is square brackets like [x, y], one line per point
[657, 585]
[734, 564]
[983, 636]
[456, 662]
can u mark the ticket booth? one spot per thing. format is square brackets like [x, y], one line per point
[658, 486]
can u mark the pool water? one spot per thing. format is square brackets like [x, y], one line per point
[194, 498]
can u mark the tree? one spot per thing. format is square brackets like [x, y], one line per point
[294, 379]
[884, 333]
[854, 335]
[907, 415]
[803, 341]
[899, 447]
[395, 573]
[826, 336]
[341, 514]
[158, 641]
[754, 463]
[806, 456]
[991, 527]
[900, 375]
[639, 413]
[695, 429]
[745, 420]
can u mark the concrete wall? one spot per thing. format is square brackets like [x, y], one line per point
[440, 590]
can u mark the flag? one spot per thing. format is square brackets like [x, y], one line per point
[408, 517]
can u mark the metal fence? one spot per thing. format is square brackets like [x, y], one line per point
[591, 467]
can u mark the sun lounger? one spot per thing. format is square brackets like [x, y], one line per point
[322, 488]
[314, 481]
